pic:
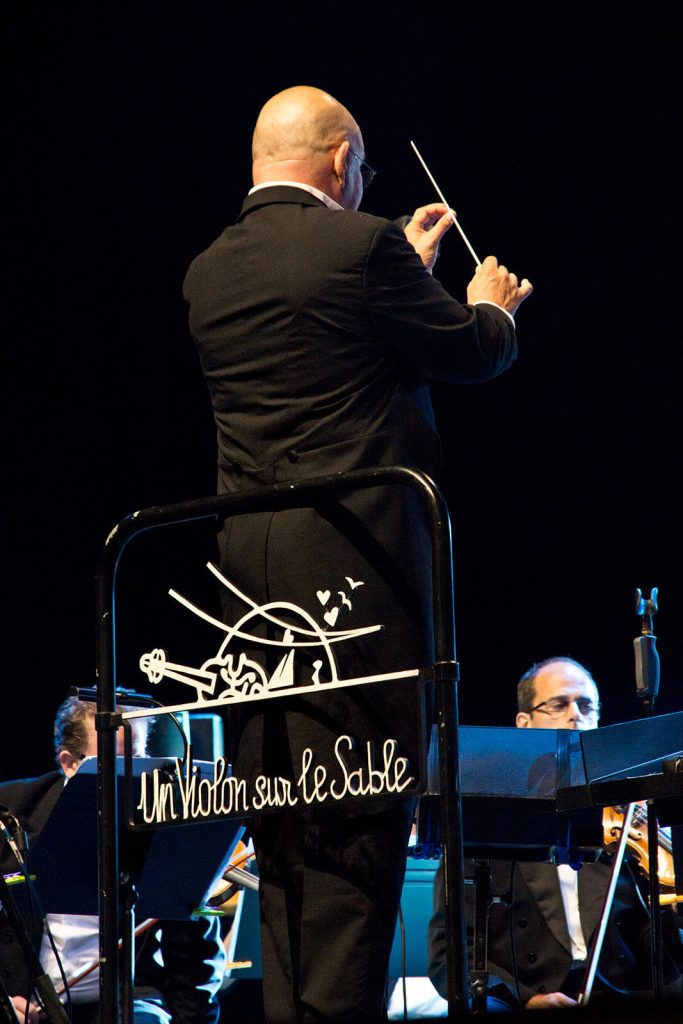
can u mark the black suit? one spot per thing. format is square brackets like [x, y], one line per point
[190, 949]
[318, 331]
[529, 949]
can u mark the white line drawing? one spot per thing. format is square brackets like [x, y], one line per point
[353, 583]
[231, 676]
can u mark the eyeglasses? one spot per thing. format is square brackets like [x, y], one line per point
[366, 172]
[556, 706]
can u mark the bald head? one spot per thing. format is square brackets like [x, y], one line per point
[298, 122]
[558, 693]
[303, 134]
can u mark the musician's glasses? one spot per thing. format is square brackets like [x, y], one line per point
[366, 172]
[557, 706]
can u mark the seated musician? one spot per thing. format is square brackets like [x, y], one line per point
[183, 991]
[539, 934]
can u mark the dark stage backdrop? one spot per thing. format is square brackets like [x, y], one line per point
[554, 130]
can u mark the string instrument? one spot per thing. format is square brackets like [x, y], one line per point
[637, 843]
[223, 899]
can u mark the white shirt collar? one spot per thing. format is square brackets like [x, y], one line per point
[322, 196]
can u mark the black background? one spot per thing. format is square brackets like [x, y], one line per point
[553, 129]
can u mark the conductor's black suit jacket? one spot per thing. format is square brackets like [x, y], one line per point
[318, 332]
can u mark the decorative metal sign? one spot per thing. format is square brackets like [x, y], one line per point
[192, 791]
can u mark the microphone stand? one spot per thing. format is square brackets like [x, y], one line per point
[647, 684]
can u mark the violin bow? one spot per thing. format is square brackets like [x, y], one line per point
[599, 935]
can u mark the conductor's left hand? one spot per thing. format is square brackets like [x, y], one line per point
[425, 230]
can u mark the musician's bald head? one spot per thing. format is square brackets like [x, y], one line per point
[558, 693]
[303, 134]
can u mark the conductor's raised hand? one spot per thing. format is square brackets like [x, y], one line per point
[493, 282]
[425, 230]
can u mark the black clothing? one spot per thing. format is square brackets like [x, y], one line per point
[318, 331]
[529, 949]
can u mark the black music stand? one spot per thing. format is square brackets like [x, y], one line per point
[509, 779]
[174, 868]
[167, 872]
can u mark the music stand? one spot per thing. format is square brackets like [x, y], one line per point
[166, 872]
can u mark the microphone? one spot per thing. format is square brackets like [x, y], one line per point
[645, 648]
[647, 667]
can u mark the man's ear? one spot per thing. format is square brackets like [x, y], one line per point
[523, 720]
[68, 763]
[340, 162]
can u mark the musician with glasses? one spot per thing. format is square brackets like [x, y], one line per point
[539, 934]
[557, 694]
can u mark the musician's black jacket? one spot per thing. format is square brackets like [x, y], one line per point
[191, 950]
[529, 949]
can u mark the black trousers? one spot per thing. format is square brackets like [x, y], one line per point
[329, 896]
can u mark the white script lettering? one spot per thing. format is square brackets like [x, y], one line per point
[273, 792]
[391, 777]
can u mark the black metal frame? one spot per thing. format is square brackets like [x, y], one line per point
[299, 494]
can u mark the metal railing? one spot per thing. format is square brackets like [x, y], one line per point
[289, 495]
